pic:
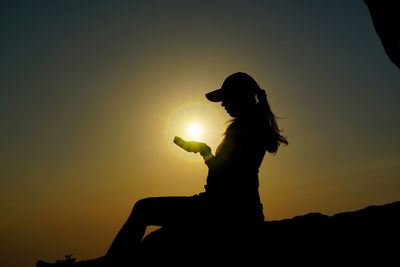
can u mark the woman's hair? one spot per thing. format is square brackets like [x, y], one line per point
[251, 94]
[275, 138]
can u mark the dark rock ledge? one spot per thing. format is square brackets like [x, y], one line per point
[366, 236]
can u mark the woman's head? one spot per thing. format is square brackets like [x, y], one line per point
[238, 89]
[237, 94]
[240, 94]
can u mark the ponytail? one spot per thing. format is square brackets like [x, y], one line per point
[275, 138]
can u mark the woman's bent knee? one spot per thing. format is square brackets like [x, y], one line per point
[143, 204]
[140, 204]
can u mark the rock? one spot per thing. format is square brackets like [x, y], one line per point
[386, 22]
[358, 237]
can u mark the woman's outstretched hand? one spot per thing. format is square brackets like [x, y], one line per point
[192, 146]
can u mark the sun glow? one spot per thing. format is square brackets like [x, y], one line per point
[194, 131]
[194, 122]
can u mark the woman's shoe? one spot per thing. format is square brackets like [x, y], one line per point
[68, 261]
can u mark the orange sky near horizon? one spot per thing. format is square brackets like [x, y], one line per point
[93, 95]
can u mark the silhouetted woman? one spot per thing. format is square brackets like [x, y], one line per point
[232, 182]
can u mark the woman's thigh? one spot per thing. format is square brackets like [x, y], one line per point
[163, 211]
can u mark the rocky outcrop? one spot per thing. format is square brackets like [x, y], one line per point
[386, 20]
[370, 235]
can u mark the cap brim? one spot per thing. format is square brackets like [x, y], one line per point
[215, 96]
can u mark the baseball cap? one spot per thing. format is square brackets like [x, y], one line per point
[238, 84]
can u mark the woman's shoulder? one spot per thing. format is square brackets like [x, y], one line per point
[254, 127]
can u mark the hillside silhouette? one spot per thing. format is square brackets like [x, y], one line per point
[363, 236]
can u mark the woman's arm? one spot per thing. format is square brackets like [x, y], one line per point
[193, 146]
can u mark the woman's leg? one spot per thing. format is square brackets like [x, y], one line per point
[160, 211]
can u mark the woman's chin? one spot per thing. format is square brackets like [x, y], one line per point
[231, 113]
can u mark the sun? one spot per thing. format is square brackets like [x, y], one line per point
[194, 122]
[194, 131]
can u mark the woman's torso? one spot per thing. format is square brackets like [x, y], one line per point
[233, 172]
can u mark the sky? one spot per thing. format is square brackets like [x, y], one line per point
[92, 93]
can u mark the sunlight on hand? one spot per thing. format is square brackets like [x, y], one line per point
[194, 122]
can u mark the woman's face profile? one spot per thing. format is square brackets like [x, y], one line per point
[235, 105]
